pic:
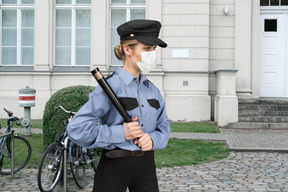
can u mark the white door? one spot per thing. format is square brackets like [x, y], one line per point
[273, 57]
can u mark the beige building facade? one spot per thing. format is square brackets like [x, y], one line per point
[214, 56]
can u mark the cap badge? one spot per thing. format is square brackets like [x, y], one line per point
[132, 35]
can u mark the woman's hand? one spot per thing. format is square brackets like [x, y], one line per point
[145, 142]
[132, 130]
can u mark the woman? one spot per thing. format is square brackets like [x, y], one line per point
[127, 160]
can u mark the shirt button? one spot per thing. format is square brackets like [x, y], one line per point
[142, 125]
[142, 105]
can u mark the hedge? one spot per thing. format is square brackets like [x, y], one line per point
[71, 98]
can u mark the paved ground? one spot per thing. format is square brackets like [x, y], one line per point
[259, 140]
[245, 139]
[241, 171]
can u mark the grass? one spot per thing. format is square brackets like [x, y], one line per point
[36, 142]
[179, 152]
[197, 127]
[34, 123]
[37, 124]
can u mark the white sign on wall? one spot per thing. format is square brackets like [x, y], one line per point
[180, 53]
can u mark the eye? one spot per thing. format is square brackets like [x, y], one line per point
[147, 48]
[150, 48]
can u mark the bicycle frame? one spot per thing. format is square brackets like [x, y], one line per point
[3, 141]
[68, 148]
[64, 142]
[3, 138]
[7, 130]
[9, 134]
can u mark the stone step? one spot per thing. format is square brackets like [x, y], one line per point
[265, 119]
[244, 113]
[276, 101]
[262, 114]
[263, 107]
[251, 125]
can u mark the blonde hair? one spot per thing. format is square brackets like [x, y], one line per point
[118, 50]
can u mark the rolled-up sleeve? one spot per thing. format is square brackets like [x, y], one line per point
[86, 128]
[161, 134]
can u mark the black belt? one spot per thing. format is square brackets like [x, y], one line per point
[116, 153]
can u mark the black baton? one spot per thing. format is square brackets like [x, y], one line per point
[110, 93]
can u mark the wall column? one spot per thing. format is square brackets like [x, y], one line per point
[99, 35]
[226, 101]
[42, 35]
[243, 34]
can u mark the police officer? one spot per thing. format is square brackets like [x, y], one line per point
[127, 160]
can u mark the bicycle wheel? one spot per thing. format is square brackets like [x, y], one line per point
[49, 171]
[22, 154]
[77, 165]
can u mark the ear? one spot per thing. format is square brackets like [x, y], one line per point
[127, 50]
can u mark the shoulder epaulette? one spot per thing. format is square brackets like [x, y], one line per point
[110, 75]
[148, 81]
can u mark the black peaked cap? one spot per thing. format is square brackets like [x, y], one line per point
[144, 31]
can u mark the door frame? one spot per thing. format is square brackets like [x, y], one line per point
[272, 10]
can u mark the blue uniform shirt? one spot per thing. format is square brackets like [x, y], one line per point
[99, 125]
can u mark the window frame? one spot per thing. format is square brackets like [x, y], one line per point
[272, 5]
[128, 6]
[18, 7]
[73, 7]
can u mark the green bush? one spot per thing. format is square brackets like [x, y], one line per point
[71, 98]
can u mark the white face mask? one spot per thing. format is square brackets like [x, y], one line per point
[148, 62]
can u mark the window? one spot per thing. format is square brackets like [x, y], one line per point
[17, 32]
[72, 32]
[270, 25]
[122, 11]
[273, 2]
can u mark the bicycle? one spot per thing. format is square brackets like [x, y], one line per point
[22, 148]
[51, 166]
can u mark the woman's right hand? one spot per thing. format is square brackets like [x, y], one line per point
[132, 130]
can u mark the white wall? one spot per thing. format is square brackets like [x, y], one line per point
[197, 27]
[221, 42]
[222, 35]
[186, 28]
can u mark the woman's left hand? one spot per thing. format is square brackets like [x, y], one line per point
[144, 142]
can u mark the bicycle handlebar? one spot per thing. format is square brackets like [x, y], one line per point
[70, 112]
[10, 113]
[12, 118]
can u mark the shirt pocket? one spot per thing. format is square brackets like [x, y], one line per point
[154, 103]
[154, 106]
[128, 103]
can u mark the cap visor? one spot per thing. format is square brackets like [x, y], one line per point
[151, 41]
